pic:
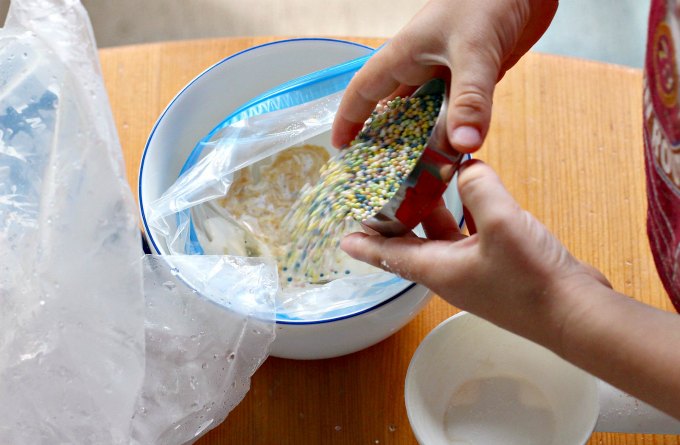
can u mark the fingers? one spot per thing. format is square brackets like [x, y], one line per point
[409, 257]
[469, 222]
[371, 84]
[390, 72]
[441, 225]
[484, 196]
[402, 91]
[421, 260]
[542, 13]
[473, 79]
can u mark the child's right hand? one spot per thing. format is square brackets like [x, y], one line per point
[473, 41]
[513, 271]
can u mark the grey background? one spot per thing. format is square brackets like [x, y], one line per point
[607, 30]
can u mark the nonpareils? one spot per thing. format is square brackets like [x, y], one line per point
[356, 183]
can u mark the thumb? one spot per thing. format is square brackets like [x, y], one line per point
[485, 197]
[473, 79]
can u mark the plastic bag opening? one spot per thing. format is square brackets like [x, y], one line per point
[189, 219]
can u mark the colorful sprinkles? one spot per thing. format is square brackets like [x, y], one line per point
[356, 183]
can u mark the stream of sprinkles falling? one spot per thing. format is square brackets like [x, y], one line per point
[355, 184]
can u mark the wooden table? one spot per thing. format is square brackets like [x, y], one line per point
[566, 139]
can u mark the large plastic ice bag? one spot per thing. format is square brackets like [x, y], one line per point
[99, 345]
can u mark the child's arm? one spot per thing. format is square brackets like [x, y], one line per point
[514, 273]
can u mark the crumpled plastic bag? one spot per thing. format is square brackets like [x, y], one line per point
[188, 218]
[99, 344]
[199, 356]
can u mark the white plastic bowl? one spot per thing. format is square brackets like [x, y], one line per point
[471, 382]
[198, 108]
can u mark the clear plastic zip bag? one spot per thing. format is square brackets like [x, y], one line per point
[99, 344]
[191, 217]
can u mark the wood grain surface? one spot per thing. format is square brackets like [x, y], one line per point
[566, 139]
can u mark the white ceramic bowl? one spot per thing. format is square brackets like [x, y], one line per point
[198, 108]
[471, 382]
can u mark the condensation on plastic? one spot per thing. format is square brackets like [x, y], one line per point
[208, 326]
[96, 344]
[71, 307]
[286, 116]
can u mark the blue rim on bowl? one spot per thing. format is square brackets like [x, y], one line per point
[167, 109]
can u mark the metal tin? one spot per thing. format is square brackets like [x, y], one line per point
[419, 194]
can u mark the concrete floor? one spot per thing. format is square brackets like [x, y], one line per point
[607, 30]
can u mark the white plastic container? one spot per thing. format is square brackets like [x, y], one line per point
[471, 382]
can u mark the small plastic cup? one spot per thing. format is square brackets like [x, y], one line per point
[471, 382]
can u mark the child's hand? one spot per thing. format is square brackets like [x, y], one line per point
[472, 41]
[512, 272]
